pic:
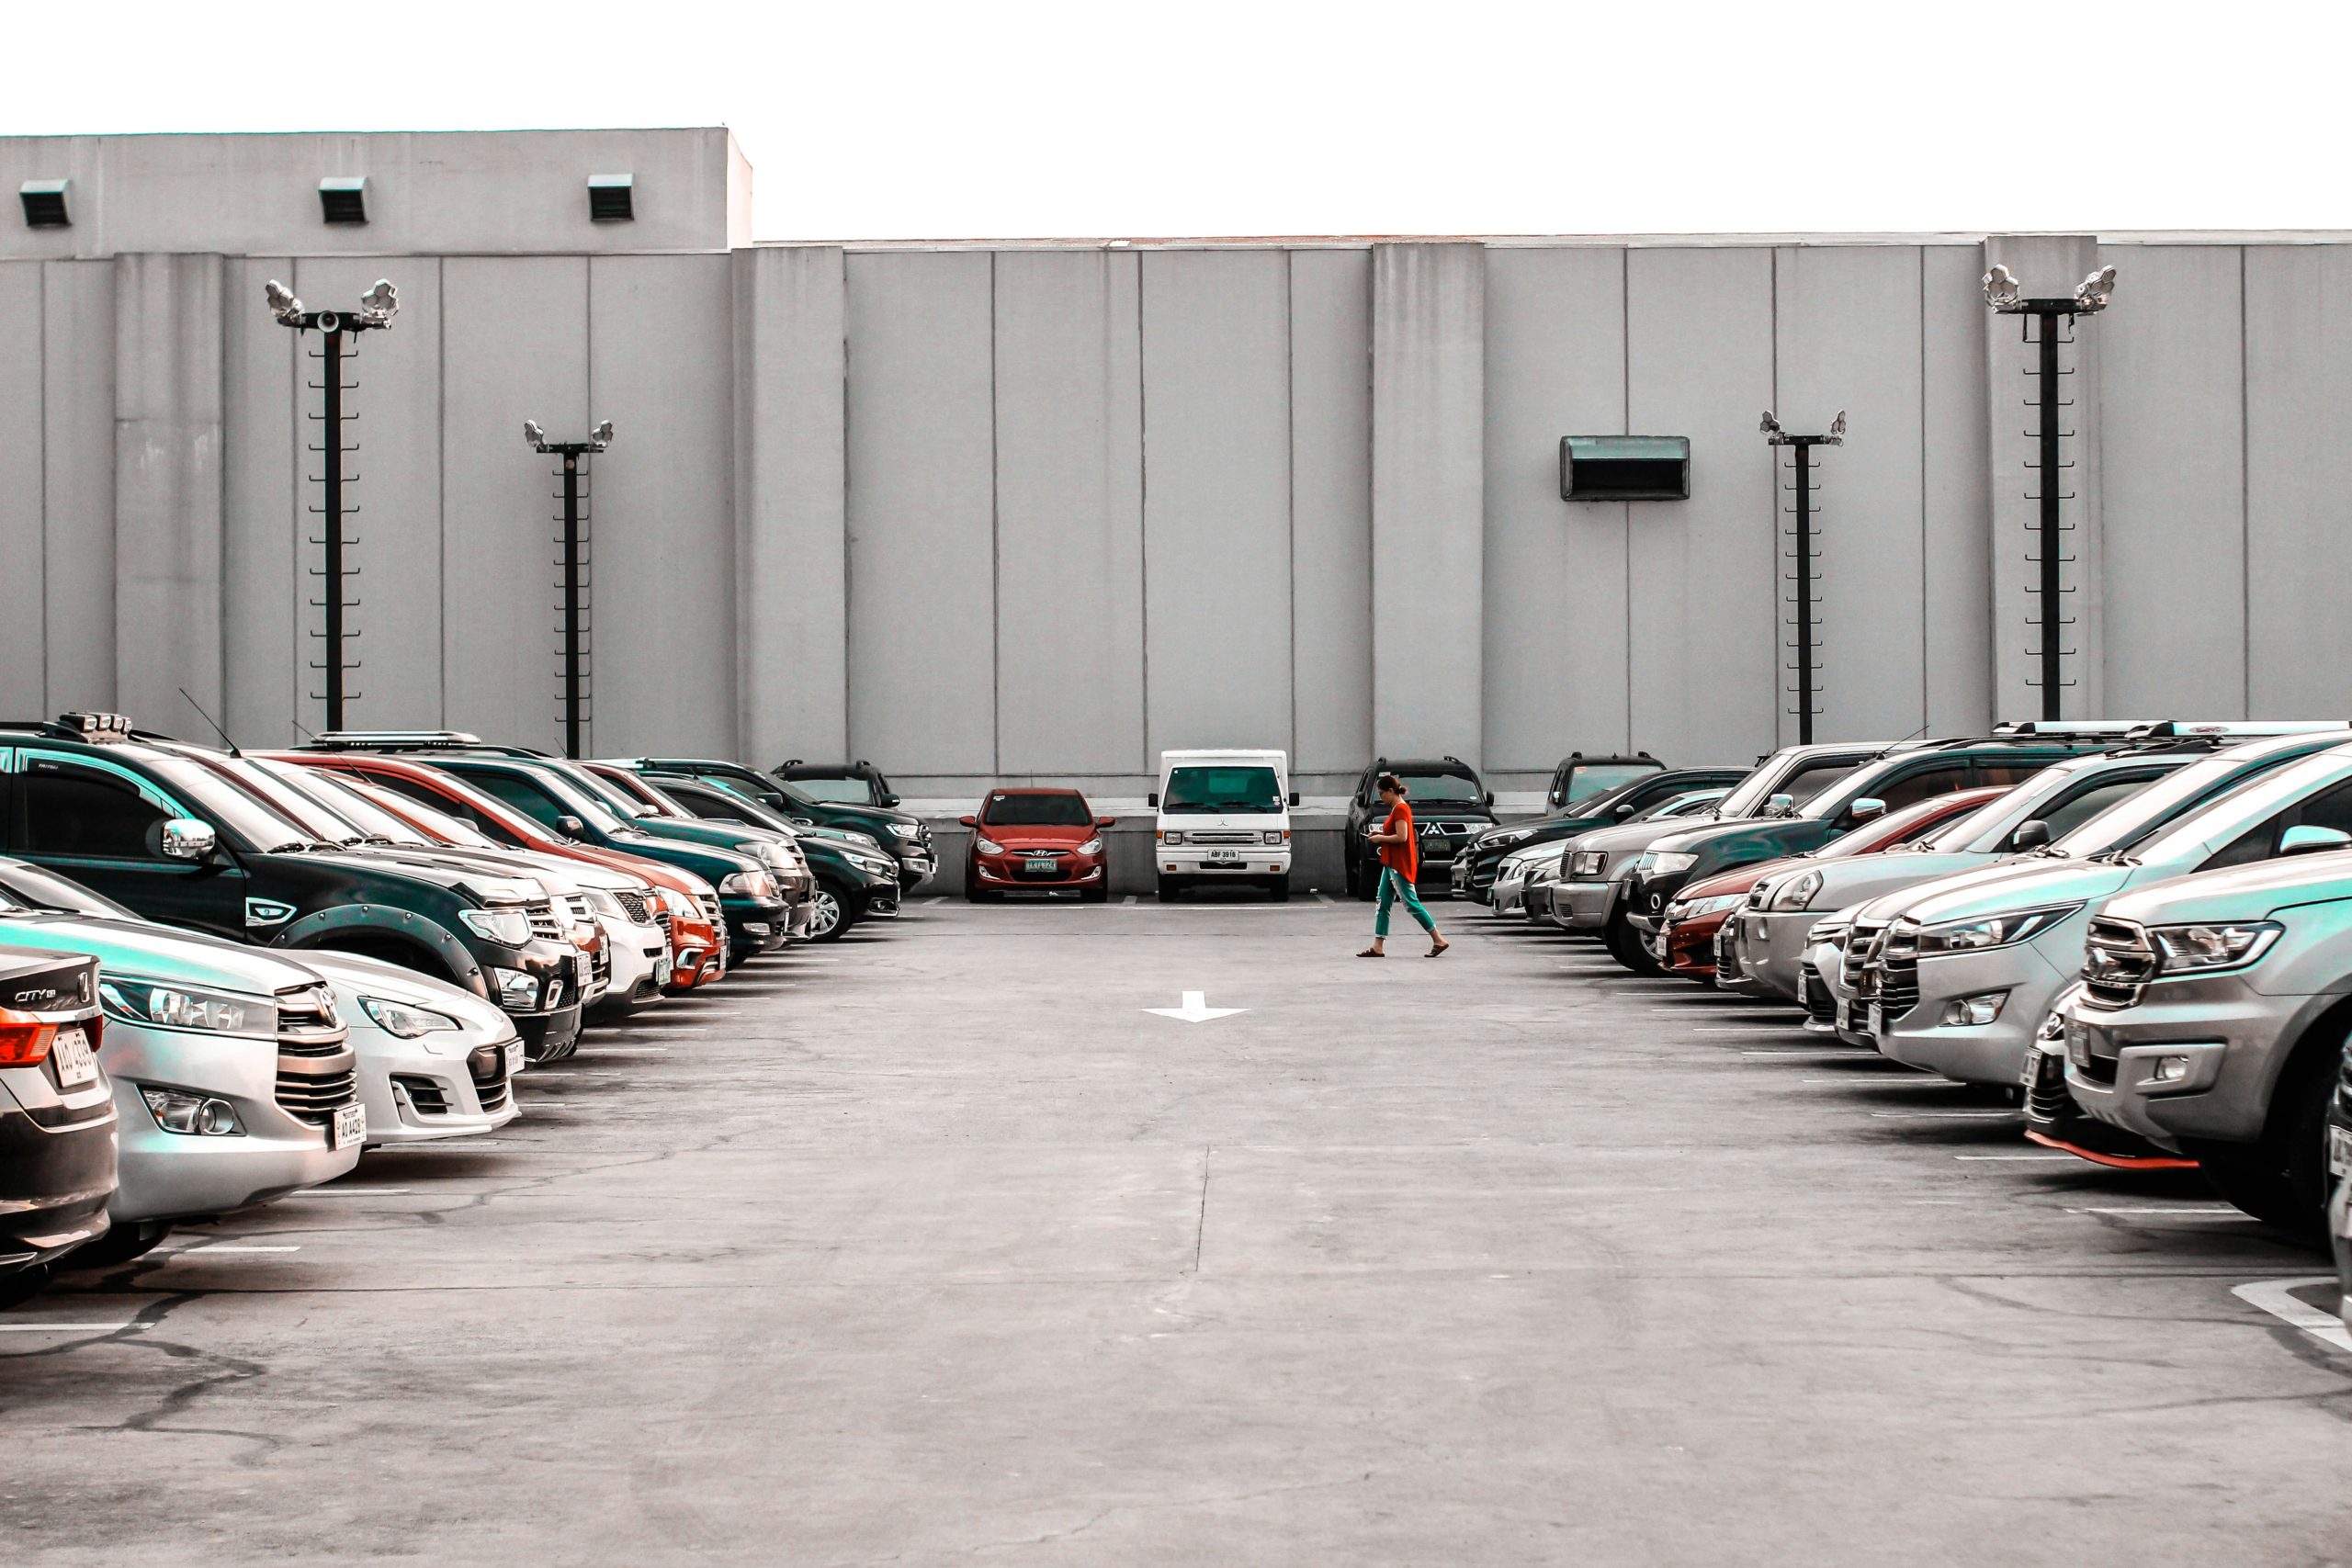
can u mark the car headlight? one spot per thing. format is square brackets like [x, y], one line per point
[1698, 906]
[1172, 835]
[1992, 930]
[1497, 838]
[874, 865]
[906, 829]
[1666, 863]
[679, 904]
[1275, 835]
[405, 1021]
[508, 928]
[1830, 932]
[748, 884]
[987, 846]
[181, 1007]
[2191, 950]
[1091, 847]
[1588, 863]
[1797, 891]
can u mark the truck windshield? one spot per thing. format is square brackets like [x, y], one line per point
[1441, 789]
[1207, 789]
[835, 790]
[1588, 779]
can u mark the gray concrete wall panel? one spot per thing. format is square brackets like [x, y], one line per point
[1702, 586]
[265, 587]
[1955, 495]
[1330, 422]
[167, 485]
[1848, 326]
[791, 503]
[23, 627]
[1555, 607]
[515, 346]
[2172, 440]
[2298, 305]
[1428, 500]
[392, 414]
[78, 468]
[1069, 514]
[662, 513]
[921, 525]
[1217, 499]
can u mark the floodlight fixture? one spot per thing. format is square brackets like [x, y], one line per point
[602, 436]
[379, 304]
[2001, 290]
[1770, 427]
[282, 303]
[2093, 293]
[534, 435]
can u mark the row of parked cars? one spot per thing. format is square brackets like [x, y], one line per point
[2141, 932]
[225, 974]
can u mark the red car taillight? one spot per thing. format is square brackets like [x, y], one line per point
[24, 1042]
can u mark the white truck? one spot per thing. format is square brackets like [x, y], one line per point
[1223, 816]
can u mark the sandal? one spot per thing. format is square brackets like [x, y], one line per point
[1438, 950]
[1372, 953]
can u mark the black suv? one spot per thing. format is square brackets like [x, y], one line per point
[1450, 806]
[842, 783]
[170, 830]
[1579, 777]
[900, 833]
[1474, 865]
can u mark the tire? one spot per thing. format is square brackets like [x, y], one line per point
[1100, 895]
[975, 895]
[1367, 880]
[1278, 890]
[1625, 946]
[22, 1286]
[120, 1244]
[2282, 1179]
[1168, 888]
[831, 916]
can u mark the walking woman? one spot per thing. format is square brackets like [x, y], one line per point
[1400, 863]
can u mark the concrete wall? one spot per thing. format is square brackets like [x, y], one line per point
[1036, 511]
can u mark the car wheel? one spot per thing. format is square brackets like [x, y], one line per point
[1625, 944]
[120, 1245]
[829, 919]
[1278, 890]
[1093, 894]
[22, 1286]
[2282, 1179]
[1168, 889]
[1367, 880]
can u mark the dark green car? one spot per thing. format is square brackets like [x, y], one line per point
[905, 838]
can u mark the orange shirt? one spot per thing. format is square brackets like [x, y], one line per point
[1404, 858]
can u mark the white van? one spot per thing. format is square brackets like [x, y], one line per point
[1223, 816]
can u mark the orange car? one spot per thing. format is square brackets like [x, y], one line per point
[697, 946]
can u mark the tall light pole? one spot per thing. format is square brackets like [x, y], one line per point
[572, 451]
[2090, 296]
[376, 308]
[1801, 467]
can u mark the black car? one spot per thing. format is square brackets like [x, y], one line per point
[900, 833]
[1475, 864]
[57, 1120]
[842, 783]
[182, 835]
[851, 885]
[1580, 777]
[1450, 808]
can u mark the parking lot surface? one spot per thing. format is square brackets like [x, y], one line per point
[937, 1245]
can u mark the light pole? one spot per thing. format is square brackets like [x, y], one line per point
[377, 308]
[2089, 297]
[572, 451]
[1802, 446]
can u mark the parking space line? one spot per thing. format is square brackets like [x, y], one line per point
[2229, 1214]
[1130, 899]
[1944, 1116]
[67, 1328]
[2276, 1297]
[350, 1192]
[227, 1246]
[2073, 1158]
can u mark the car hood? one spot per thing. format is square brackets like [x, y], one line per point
[1740, 879]
[1451, 812]
[1630, 838]
[420, 865]
[2234, 893]
[878, 816]
[159, 953]
[1857, 879]
[1998, 889]
[496, 865]
[1038, 835]
[354, 977]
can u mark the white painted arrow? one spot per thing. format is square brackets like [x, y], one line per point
[1196, 1008]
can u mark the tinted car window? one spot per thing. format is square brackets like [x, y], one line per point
[81, 811]
[2087, 803]
[1222, 789]
[1441, 789]
[1924, 786]
[840, 792]
[2328, 808]
[1037, 811]
[1582, 780]
[521, 794]
[1807, 782]
[2007, 774]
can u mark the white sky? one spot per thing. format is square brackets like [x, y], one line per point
[1005, 119]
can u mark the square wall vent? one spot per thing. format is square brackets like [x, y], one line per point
[44, 204]
[612, 199]
[343, 198]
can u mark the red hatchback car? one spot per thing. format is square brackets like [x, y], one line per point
[1039, 839]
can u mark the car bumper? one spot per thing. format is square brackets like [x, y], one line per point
[1233, 861]
[170, 1176]
[1583, 906]
[915, 868]
[547, 1034]
[1772, 947]
[55, 1184]
[414, 1095]
[1992, 1052]
[1011, 873]
[2223, 1039]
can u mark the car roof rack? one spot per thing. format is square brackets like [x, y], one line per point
[419, 741]
[2245, 728]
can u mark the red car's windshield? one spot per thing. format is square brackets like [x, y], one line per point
[1005, 809]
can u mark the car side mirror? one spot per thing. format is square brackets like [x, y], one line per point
[1865, 808]
[1293, 797]
[2031, 835]
[570, 826]
[2306, 838]
[185, 837]
[1780, 804]
[1152, 800]
[888, 800]
[1490, 797]
[1624, 808]
[969, 821]
[802, 821]
[1106, 821]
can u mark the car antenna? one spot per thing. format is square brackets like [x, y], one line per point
[210, 720]
[302, 729]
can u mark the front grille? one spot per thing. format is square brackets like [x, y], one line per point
[1819, 1005]
[493, 1087]
[661, 918]
[709, 904]
[1224, 838]
[424, 1096]
[2118, 963]
[1861, 951]
[578, 906]
[543, 923]
[317, 1099]
[308, 1024]
[2046, 1099]
[1898, 987]
[636, 906]
[1726, 958]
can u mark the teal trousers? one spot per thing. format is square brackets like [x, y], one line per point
[1394, 886]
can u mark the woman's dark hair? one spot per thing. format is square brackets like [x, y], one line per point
[1392, 783]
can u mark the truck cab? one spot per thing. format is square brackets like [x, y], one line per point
[1223, 816]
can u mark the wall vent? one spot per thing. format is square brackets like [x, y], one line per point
[343, 198]
[612, 199]
[44, 204]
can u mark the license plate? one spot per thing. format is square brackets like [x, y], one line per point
[349, 1128]
[1876, 1025]
[2078, 1043]
[515, 1058]
[2031, 1078]
[663, 970]
[2339, 1152]
[1040, 868]
[76, 1063]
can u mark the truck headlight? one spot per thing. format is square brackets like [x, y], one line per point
[1586, 864]
[1797, 892]
[1992, 930]
[2194, 950]
[508, 928]
[906, 829]
[1172, 835]
[1698, 906]
[182, 1007]
[1276, 835]
[1666, 863]
[403, 1021]
[1497, 838]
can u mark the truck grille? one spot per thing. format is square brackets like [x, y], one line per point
[543, 924]
[1861, 955]
[1224, 838]
[709, 904]
[1898, 987]
[636, 906]
[2118, 963]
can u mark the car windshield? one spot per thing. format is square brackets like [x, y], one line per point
[583, 787]
[1201, 789]
[435, 824]
[1441, 789]
[1058, 810]
[1587, 780]
[2130, 820]
[314, 818]
[261, 826]
[1901, 827]
[2246, 804]
[702, 798]
[1772, 777]
[835, 790]
[347, 803]
[28, 887]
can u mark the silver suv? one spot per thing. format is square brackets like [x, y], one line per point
[2212, 1018]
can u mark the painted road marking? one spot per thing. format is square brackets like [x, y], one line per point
[1942, 1116]
[1883, 1080]
[1196, 1008]
[2072, 1158]
[2229, 1214]
[1320, 898]
[2276, 1297]
[1128, 900]
[68, 1327]
[352, 1192]
[228, 1246]
[936, 902]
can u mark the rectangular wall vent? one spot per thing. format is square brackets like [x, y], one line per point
[343, 198]
[612, 199]
[1624, 467]
[44, 204]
